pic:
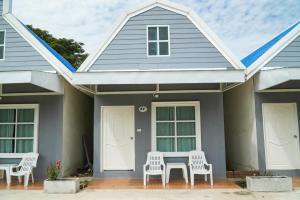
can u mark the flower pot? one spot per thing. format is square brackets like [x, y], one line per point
[269, 183]
[62, 186]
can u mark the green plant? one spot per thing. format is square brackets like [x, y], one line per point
[53, 171]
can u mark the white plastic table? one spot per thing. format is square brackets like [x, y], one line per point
[6, 168]
[171, 166]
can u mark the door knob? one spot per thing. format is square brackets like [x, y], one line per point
[131, 138]
[295, 136]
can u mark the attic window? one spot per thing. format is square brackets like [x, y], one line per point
[2, 44]
[158, 43]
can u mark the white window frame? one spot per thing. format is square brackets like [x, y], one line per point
[196, 104]
[158, 41]
[3, 45]
[35, 107]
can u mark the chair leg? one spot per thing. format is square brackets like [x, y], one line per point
[148, 178]
[32, 179]
[211, 179]
[145, 179]
[26, 179]
[192, 179]
[163, 178]
[205, 177]
[20, 179]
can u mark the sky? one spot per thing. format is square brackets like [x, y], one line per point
[243, 25]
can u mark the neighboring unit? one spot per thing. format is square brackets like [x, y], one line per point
[39, 110]
[262, 115]
[158, 82]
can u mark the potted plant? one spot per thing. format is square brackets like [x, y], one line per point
[54, 184]
[269, 183]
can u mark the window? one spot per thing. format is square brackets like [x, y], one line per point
[18, 129]
[158, 41]
[176, 127]
[2, 44]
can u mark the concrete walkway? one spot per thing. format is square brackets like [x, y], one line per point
[205, 194]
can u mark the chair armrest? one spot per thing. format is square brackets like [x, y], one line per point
[163, 166]
[210, 166]
[145, 167]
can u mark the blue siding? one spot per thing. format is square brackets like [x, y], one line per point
[19, 54]
[189, 47]
[288, 57]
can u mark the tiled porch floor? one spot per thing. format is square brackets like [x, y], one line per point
[111, 184]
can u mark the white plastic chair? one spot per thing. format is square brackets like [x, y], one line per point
[28, 162]
[199, 165]
[155, 166]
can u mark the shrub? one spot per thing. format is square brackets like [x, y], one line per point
[53, 171]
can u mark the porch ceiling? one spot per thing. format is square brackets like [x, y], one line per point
[43, 80]
[280, 78]
[159, 77]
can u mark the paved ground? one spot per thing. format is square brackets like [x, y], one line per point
[204, 194]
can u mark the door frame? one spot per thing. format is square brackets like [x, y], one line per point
[265, 132]
[102, 141]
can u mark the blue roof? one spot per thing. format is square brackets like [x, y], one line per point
[67, 64]
[251, 58]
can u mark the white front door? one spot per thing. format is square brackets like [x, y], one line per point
[118, 138]
[281, 135]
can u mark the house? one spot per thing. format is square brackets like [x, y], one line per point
[158, 81]
[261, 115]
[39, 110]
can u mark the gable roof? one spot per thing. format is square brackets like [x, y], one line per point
[261, 56]
[67, 64]
[252, 57]
[61, 65]
[191, 15]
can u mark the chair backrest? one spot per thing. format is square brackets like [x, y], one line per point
[29, 161]
[197, 160]
[155, 160]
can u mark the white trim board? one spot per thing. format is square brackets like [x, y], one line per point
[42, 79]
[272, 52]
[36, 127]
[159, 77]
[197, 120]
[269, 78]
[191, 15]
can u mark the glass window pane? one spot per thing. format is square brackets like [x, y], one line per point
[6, 146]
[152, 33]
[2, 35]
[152, 48]
[1, 52]
[165, 144]
[25, 115]
[25, 130]
[165, 129]
[185, 113]
[163, 33]
[7, 130]
[163, 48]
[186, 128]
[7, 115]
[164, 113]
[186, 144]
[24, 146]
